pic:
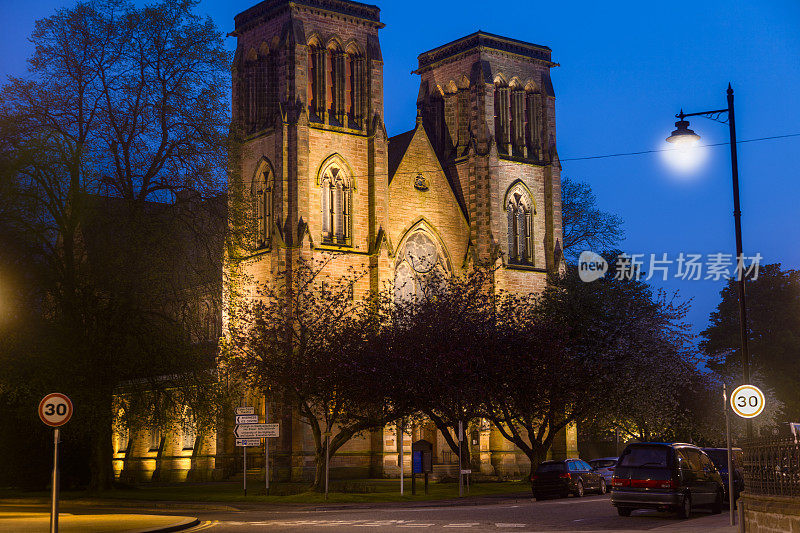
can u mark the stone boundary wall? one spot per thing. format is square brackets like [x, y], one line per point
[769, 514]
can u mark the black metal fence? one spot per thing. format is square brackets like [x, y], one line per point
[771, 466]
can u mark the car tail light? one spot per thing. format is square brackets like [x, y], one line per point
[619, 482]
[565, 476]
[654, 483]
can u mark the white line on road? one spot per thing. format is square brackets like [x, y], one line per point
[463, 524]
[500, 524]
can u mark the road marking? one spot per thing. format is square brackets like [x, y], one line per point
[463, 524]
[500, 524]
[416, 525]
[202, 526]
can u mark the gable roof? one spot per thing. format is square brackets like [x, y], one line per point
[397, 149]
[398, 146]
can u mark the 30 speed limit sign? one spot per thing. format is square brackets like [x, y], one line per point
[55, 409]
[747, 401]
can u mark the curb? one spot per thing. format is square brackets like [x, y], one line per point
[138, 504]
[185, 524]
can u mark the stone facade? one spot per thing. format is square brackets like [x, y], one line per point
[769, 514]
[477, 181]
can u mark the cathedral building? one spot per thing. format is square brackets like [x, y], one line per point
[475, 181]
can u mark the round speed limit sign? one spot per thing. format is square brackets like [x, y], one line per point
[55, 409]
[747, 401]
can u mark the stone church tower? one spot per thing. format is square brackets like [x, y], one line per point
[474, 182]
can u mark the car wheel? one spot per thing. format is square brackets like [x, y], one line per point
[579, 490]
[716, 507]
[602, 486]
[685, 510]
[624, 511]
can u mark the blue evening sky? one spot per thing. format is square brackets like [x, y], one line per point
[626, 68]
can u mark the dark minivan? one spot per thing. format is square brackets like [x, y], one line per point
[565, 477]
[666, 477]
[720, 458]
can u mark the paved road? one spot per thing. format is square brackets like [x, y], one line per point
[593, 513]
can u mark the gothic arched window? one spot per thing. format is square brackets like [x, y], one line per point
[420, 266]
[354, 87]
[336, 198]
[336, 78]
[520, 211]
[188, 429]
[261, 198]
[502, 119]
[316, 81]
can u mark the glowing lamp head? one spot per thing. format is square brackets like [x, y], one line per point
[683, 136]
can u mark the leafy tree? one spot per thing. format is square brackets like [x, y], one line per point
[439, 347]
[579, 351]
[773, 315]
[585, 226]
[123, 106]
[308, 341]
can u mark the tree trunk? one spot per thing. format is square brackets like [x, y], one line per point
[319, 471]
[102, 475]
[444, 429]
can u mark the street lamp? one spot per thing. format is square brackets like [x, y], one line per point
[683, 136]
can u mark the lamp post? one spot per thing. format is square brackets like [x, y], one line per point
[684, 136]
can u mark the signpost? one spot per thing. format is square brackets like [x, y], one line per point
[248, 432]
[256, 431]
[460, 471]
[55, 410]
[747, 401]
[248, 442]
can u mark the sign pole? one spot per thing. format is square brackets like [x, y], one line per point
[54, 503]
[460, 475]
[401, 433]
[244, 469]
[55, 410]
[731, 488]
[266, 449]
[327, 460]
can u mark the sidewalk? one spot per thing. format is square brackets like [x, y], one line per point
[28, 521]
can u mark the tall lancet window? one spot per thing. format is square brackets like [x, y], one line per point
[335, 202]
[261, 198]
[519, 212]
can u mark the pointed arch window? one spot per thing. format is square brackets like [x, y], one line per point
[421, 266]
[354, 88]
[336, 201]
[317, 62]
[261, 198]
[188, 429]
[519, 212]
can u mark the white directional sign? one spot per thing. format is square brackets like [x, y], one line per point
[248, 442]
[55, 409]
[247, 419]
[747, 401]
[245, 410]
[251, 431]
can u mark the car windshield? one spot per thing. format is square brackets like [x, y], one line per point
[602, 463]
[645, 456]
[550, 467]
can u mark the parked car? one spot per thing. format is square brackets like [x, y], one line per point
[720, 458]
[605, 467]
[565, 477]
[667, 477]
